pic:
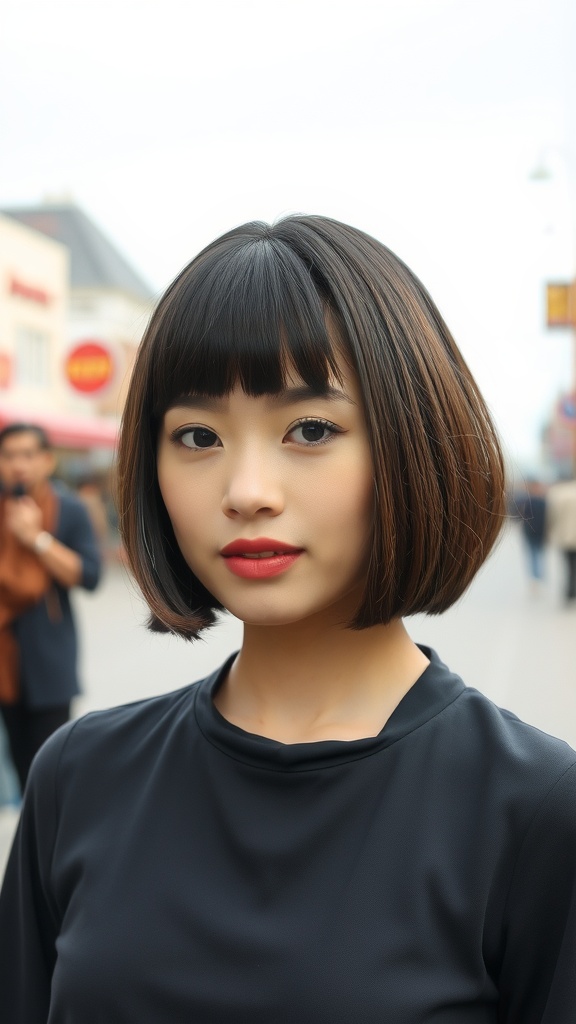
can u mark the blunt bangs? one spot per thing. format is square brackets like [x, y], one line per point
[246, 312]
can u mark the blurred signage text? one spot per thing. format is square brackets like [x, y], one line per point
[29, 291]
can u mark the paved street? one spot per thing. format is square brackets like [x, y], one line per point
[517, 647]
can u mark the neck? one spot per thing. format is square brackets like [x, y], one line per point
[302, 683]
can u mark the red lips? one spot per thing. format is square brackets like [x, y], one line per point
[275, 557]
[255, 547]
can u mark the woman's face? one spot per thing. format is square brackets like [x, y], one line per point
[271, 499]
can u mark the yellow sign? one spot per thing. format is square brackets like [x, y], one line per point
[561, 304]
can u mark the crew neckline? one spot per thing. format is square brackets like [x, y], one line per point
[434, 690]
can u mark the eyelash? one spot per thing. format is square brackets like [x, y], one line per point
[315, 420]
[177, 435]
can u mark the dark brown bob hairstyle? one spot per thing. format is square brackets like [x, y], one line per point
[263, 300]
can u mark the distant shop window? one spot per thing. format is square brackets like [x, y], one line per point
[32, 357]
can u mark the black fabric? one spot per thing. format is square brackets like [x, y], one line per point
[27, 730]
[170, 868]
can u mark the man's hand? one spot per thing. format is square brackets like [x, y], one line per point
[23, 518]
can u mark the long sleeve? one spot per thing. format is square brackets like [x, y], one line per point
[28, 915]
[77, 533]
[538, 977]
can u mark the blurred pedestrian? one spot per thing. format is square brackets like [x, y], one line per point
[532, 510]
[561, 529]
[331, 827]
[47, 546]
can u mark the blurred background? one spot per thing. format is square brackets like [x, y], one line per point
[132, 133]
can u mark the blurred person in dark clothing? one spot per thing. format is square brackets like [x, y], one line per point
[561, 529]
[532, 510]
[47, 546]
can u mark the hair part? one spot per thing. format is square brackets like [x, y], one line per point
[264, 301]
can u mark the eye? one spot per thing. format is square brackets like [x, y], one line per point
[196, 438]
[312, 432]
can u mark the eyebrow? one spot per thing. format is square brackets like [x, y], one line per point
[288, 396]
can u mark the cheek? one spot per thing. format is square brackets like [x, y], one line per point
[193, 513]
[177, 499]
[347, 500]
[184, 512]
[356, 487]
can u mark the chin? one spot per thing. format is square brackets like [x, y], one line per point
[331, 613]
[268, 617]
[264, 613]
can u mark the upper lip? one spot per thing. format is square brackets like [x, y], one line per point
[254, 547]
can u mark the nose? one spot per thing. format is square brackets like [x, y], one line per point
[17, 467]
[252, 488]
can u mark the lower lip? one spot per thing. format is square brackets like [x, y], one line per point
[261, 568]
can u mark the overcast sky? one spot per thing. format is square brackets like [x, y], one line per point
[419, 121]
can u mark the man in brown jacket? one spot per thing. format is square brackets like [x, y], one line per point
[47, 547]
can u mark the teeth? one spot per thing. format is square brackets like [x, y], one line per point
[261, 554]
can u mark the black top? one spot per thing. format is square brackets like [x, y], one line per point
[172, 869]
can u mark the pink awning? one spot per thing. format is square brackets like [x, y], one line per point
[67, 431]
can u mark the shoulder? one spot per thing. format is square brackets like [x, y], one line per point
[109, 743]
[73, 519]
[517, 763]
[468, 727]
[502, 732]
[69, 503]
[127, 721]
[488, 757]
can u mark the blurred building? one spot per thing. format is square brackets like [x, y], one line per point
[34, 303]
[72, 313]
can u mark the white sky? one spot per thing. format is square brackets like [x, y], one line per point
[417, 120]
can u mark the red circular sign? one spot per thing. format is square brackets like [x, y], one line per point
[89, 366]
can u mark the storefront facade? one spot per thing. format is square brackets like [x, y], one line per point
[34, 301]
[72, 313]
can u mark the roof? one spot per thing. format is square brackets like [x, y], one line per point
[94, 261]
[65, 430]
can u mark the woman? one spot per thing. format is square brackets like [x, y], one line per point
[331, 827]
